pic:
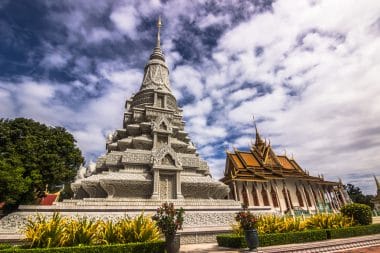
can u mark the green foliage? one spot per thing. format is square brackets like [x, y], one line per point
[361, 213]
[168, 219]
[354, 231]
[138, 247]
[235, 241]
[139, 229]
[34, 155]
[231, 241]
[108, 233]
[328, 221]
[57, 231]
[246, 219]
[238, 241]
[284, 224]
[292, 237]
[357, 196]
[82, 231]
[45, 233]
[5, 246]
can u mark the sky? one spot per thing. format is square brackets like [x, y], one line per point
[308, 71]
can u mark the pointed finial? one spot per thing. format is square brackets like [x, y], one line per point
[377, 183]
[159, 25]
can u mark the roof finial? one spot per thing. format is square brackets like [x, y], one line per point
[159, 25]
[377, 183]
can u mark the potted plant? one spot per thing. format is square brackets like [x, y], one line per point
[169, 220]
[248, 222]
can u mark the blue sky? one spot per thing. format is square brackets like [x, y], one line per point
[307, 70]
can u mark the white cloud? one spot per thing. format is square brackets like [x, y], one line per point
[125, 19]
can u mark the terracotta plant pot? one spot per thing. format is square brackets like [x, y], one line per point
[173, 242]
[252, 239]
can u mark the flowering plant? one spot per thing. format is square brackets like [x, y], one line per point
[246, 219]
[168, 219]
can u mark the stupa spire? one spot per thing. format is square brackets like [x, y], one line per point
[157, 51]
[159, 24]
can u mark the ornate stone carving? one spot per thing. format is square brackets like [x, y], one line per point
[164, 150]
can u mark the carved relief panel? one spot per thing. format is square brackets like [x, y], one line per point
[167, 187]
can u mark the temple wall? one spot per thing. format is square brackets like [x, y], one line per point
[298, 201]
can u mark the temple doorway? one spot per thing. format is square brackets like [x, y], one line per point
[167, 186]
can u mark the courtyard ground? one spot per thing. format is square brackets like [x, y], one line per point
[362, 244]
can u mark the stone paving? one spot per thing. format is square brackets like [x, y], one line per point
[354, 244]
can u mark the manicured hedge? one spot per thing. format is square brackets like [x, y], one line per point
[292, 237]
[353, 231]
[137, 247]
[235, 241]
[231, 241]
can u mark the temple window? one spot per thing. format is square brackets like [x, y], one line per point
[255, 197]
[160, 101]
[299, 197]
[265, 196]
[274, 197]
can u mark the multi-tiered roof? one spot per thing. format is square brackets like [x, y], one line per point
[261, 164]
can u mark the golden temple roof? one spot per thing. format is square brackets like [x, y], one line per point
[262, 164]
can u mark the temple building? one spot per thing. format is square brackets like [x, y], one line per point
[376, 200]
[263, 180]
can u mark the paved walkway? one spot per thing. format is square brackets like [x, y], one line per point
[371, 243]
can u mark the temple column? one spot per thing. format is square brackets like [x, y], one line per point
[310, 189]
[278, 196]
[288, 198]
[304, 194]
[155, 99]
[246, 192]
[154, 140]
[178, 185]
[156, 184]
[329, 199]
[343, 197]
[165, 101]
[235, 191]
[269, 196]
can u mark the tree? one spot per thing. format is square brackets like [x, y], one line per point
[357, 196]
[33, 155]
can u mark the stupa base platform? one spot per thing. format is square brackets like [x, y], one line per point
[204, 218]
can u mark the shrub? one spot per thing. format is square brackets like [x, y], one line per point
[80, 231]
[139, 247]
[231, 241]
[353, 231]
[108, 233]
[5, 246]
[328, 221]
[168, 219]
[139, 229]
[235, 241]
[361, 213]
[292, 237]
[45, 232]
